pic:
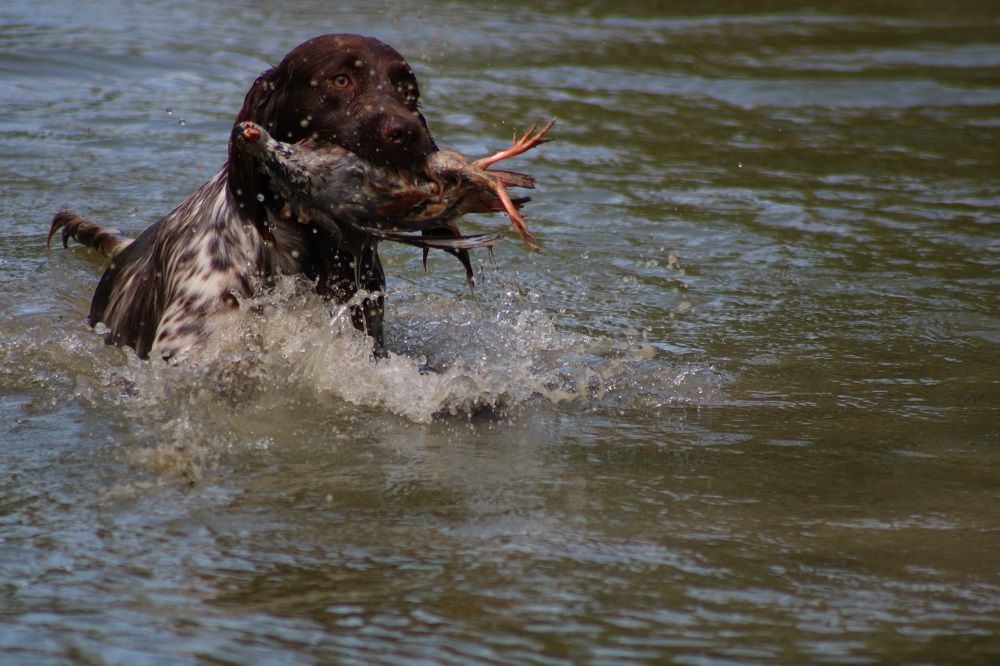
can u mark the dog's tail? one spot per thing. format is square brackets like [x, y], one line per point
[106, 240]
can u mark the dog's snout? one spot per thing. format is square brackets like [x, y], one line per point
[402, 131]
[404, 138]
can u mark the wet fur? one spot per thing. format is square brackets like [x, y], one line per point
[185, 276]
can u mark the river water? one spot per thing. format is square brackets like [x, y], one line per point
[742, 408]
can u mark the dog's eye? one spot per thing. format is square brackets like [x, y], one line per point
[341, 81]
[408, 92]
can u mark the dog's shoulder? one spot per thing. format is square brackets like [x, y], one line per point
[162, 293]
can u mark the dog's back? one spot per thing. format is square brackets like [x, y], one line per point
[166, 291]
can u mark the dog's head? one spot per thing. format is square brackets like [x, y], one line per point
[347, 90]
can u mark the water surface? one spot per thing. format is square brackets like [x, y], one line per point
[743, 407]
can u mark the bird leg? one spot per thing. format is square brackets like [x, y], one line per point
[526, 142]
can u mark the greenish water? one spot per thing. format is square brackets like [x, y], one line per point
[746, 401]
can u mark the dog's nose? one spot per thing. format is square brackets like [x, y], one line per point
[405, 139]
[402, 131]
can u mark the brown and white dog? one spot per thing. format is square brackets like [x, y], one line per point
[165, 292]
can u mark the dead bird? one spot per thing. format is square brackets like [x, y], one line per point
[364, 202]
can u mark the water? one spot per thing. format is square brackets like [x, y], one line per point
[743, 408]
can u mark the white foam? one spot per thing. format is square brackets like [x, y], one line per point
[296, 361]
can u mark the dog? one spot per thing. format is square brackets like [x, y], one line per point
[165, 292]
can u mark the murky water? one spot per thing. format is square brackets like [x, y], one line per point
[743, 408]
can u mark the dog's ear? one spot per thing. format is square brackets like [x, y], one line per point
[264, 100]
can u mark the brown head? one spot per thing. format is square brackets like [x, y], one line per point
[347, 90]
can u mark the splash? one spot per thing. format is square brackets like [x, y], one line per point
[487, 352]
[296, 359]
[450, 356]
